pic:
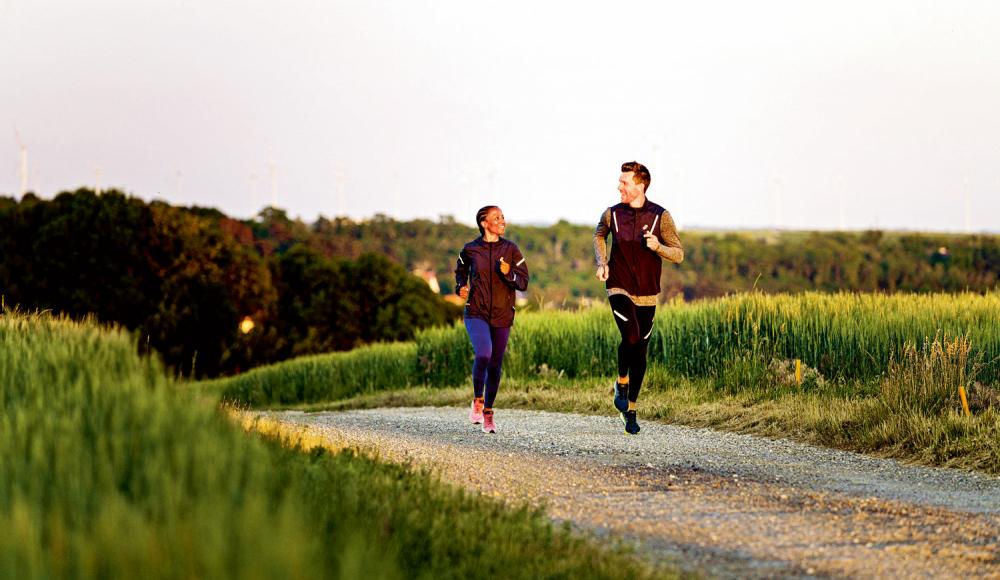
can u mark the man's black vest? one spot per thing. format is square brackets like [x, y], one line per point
[634, 267]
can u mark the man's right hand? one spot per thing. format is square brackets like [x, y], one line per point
[464, 292]
[602, 273]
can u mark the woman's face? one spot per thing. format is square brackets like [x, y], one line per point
[494, 222]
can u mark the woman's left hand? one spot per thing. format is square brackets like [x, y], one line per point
[504, 267]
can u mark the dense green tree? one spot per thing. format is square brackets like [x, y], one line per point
[209, 283]
[316, 311]
[80, 253]
[326, 304]
[393, 304]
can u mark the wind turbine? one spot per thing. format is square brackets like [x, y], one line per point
[338, 177]
[274, 180]
[396, 209]
[22, 150]
[968, 205]
[254, 195]
[840, 196]
[777, 183]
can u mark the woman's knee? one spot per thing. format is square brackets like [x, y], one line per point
[495, 363]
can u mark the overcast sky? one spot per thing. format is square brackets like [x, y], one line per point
[749, 114]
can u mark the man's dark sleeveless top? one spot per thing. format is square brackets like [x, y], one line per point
[632, 267]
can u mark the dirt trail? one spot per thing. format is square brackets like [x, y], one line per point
[716, 503]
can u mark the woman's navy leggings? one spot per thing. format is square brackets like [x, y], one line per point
[489, 343]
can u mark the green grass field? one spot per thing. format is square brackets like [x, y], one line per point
[109, 470]
[881, 374]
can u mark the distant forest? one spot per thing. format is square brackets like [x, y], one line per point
[561, 257]
[185, 279]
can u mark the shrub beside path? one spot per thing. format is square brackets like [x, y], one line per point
[714, 503]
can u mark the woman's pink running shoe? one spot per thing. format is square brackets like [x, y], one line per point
[476, 413]
[488, 425]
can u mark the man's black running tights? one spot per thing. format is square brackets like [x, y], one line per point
[635, 323]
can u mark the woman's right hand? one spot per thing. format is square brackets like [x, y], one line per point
[464, 292]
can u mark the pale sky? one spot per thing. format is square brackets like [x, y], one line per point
[794, 114]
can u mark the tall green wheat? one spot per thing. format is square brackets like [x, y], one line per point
[844, 336]
[108, 470]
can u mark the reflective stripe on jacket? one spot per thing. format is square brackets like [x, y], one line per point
[491, 294]
[632, 267]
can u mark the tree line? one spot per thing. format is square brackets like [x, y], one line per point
[717, 263]
[184, 278]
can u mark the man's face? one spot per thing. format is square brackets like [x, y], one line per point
[628, 188]
[495, 222]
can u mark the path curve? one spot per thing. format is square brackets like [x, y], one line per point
[716, 503]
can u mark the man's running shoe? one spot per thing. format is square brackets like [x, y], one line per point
[621, 397]
[631, 424]
[488, 425]
[476, 413]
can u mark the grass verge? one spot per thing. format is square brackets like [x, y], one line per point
[107, 470]
[845, 338]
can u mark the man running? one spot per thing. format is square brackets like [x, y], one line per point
[643, 235]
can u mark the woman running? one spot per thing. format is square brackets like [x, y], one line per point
[488, 271]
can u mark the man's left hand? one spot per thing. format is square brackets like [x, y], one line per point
[651, 242]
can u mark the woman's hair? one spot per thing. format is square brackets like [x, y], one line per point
[481, 216]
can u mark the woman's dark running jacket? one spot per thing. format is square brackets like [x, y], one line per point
[491, 294]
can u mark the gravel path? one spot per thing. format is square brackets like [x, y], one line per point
[716, 503]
